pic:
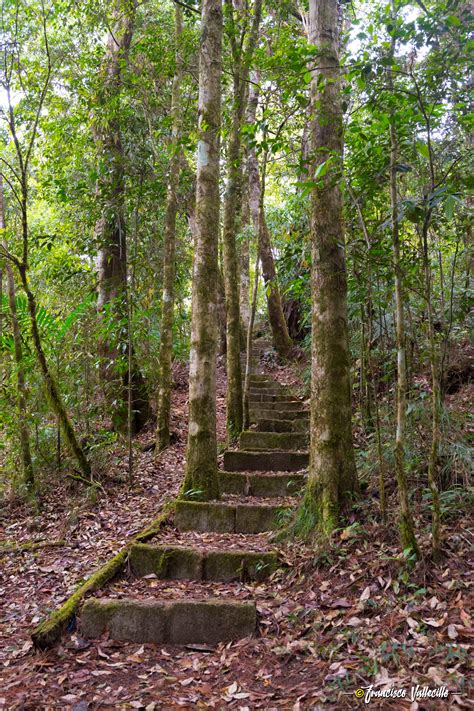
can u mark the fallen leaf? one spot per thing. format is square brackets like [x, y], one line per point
[452, 632]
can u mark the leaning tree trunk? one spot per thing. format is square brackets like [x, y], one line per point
[21, 391]
[111, 233]
[52, 388]
[332, 474]
[407, 533]
[167, 317]
[201, 479]
[280, 336]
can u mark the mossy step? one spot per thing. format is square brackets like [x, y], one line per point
[235, 461]
[261, 378]
[284, 405]
[265, 385]
[185, 563]
[260, 411]
[271, 425]
[226, 518]
[164, 622]
[272, 398]
[270, 390]
[261, 484]
[273, 440]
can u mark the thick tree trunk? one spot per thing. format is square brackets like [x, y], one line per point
[332, 474]
[21, 391]
[111, 230]
[201, 481]
[407, 533]
[167, 315]
[280, 336]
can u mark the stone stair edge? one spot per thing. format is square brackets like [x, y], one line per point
[180, 622]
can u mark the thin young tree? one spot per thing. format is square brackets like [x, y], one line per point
[167, 314]
[243, 39]
[280, 336]
[21, 390]
[23, 145]
[332, 474]
[201, 479]
[407, 532]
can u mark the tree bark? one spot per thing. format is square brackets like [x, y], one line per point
[280, 336]
[231, 271]
[21, 391]
[111, 229]
[244, 257]
[332, 474]
[167, 316]
[201, 481]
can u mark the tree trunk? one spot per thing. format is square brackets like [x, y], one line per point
[231, 271]
[201, 481]
[248, 352]
[242, 52]
[21, 391]
[167, 316]
[332, 474]
[244, 257]
[435, 399]
[281, 339]
[407, 533]
[110, 229]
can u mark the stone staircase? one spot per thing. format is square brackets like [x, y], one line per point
[209, 565]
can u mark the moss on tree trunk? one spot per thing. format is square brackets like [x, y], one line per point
[201, 481]
[332, 474]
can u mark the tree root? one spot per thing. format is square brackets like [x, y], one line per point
[30, 546]
[48, 632]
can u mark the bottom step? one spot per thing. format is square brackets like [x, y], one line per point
[160, 622]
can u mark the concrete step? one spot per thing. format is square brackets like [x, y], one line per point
[235, 461]
[226, 518]
[284, 405]
[273, 440]
[261, 484]
[269, 390]
[261, 411]
[261, 378]
[186, 563]
[272, 398]
[164, 622]
[283, 426]
[265, 385]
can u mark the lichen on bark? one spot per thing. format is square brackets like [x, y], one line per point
[332, 474]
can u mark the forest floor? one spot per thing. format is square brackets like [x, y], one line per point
[334, 620]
